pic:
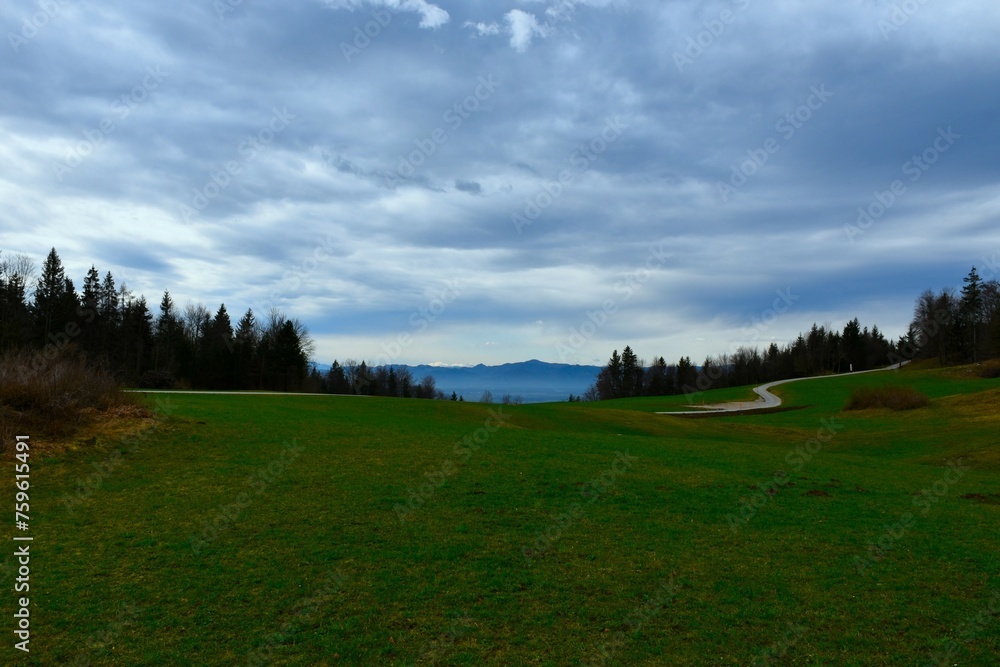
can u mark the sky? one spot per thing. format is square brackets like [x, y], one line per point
[490, 182]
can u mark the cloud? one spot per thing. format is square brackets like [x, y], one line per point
[470, 187]
[484, 29]
[431, 16]
[523, 28]
[402, 168]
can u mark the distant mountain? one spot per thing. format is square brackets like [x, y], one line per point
[534, 381]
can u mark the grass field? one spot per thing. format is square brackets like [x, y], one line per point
[251, 530]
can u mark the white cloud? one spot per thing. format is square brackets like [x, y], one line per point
[523, 28]
[484, 29]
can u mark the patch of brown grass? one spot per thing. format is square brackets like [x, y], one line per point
[989, 370]
[54, 399]
[886, 398]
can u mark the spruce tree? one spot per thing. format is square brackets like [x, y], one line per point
[972, 309]
[49, 300]
[246, 341]
[15, 316]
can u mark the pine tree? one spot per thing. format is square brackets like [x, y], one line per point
[109, 317]
[15, 316]
[290, 361]
[336, 381]
[89, 305]
[168, 337]
[136, 336]
[686, 376]
[854, 347]
[631, 374]
[219, 351]
[247, 339]
[656, 385]
[972, 309]
[49, 300]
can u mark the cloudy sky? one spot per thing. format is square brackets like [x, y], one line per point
[487, 181]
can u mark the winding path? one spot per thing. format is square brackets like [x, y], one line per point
[766, 400]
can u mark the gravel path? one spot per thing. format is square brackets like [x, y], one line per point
[765, 399]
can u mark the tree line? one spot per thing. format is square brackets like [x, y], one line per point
[361, 379]
[193, 348]
[115, 330]
[957, 326]
[951, 327]
[187, 347]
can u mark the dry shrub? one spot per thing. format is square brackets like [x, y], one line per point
[52, 398]
[886, 398]
[989, 370]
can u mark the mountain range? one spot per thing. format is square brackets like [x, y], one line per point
[533, 381]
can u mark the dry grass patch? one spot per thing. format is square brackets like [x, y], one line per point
[886, 398]
[989, 370]
[54, 400]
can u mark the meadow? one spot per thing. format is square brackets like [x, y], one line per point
[292, 530]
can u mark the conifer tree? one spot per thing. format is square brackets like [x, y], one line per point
[972, 309]
[48, 307]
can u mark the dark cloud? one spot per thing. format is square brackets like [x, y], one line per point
[470, 187]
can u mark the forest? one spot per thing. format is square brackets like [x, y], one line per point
[45, 318]
[952, 327]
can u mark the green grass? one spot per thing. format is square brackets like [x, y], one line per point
[315, 567]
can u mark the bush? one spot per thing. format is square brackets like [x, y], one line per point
[886, 398]
[156, 380]
[989, 370]
[54, 397]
